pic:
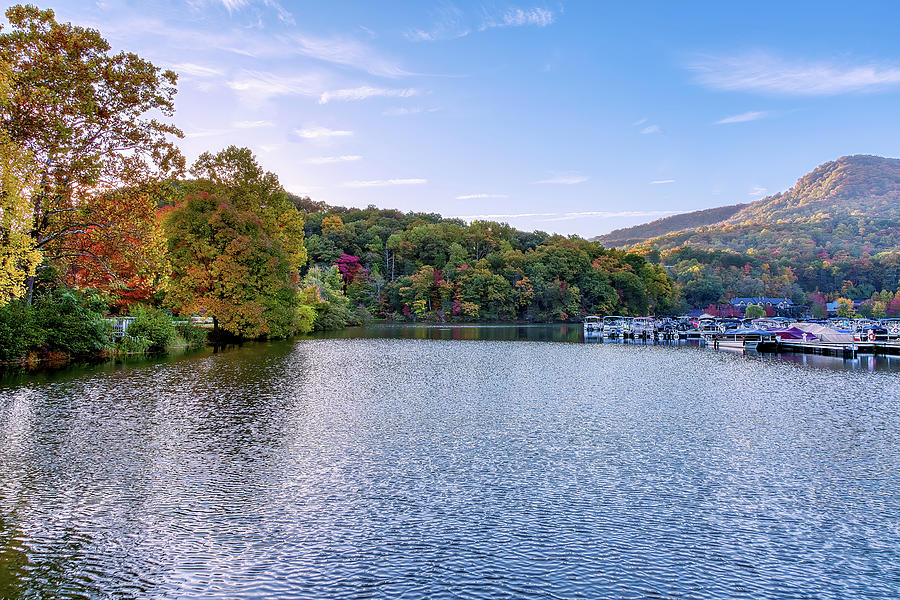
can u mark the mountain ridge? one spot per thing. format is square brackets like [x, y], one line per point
[861, 190]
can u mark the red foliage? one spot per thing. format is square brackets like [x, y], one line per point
[349, 267]
[894, 307]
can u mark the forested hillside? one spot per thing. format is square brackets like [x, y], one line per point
[691, 220]
[416, 265]
[836, 232]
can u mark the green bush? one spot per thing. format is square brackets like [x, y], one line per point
[151, 325]
[18, 333]
[192, 335]
[71, 322]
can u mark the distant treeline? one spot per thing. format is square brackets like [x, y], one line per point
[421, 266]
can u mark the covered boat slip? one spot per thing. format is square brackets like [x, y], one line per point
[758, 340]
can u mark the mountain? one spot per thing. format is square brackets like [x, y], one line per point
[858, 197]
[849, 205]
[691, 220]
[836, 233]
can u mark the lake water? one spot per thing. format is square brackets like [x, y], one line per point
[453, 463]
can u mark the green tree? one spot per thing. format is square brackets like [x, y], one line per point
[755, 311]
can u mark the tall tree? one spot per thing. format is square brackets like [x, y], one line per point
[84, 115]
[235, 246]
[18, 181]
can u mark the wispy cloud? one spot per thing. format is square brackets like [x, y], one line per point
[479, 196]
[651, 129]
[343, 51]
[401, 111]
[757, 191]
[363, 92]
[661, 181]
[570, 179]
[449, 24]
[569, 216]
[196, 70]
[383, 183]
[252, 124]
[255, 87]
[520, 17]
[327, 160]
[311, 133]
[753, 115]
[233, 6]
[502, 216]
[639, 122]
[202, 133]
[764, 73]
[604, 214]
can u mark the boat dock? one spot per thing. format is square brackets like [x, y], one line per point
[842, 350]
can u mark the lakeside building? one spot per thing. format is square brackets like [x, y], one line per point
[783, 307]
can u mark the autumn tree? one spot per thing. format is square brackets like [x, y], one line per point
[89, 120]
[18, 181]
[235, 174]
[235, 246]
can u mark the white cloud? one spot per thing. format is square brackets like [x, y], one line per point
[202, 133]
[501, 216]
[661, 181]
[311, 133]
[363, 92]
[565, 179]
[449, 25]
[196, 70]
[752, 115]
[477, 196]
[603, 214]
[233, 6]
[252, 124]
[327, 160]
[255, 87]
[640, 122]
[650, 129]
[384, 182]
[342, 51]
[401, 112]
[764, 73]
[757, 191]
[519, 17]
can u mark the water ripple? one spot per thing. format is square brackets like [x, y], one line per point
[353, 468]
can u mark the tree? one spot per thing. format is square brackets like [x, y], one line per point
[225, 264]
[235, 174]
[19, 257]
[754, 311]
[845, 308]
[87, 118]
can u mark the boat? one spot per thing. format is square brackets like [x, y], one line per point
[593, 325]
[643, 327]
[758, 340]
[615, 326]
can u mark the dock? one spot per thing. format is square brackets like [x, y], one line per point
[842, 350]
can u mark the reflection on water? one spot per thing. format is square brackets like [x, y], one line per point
[349, 467]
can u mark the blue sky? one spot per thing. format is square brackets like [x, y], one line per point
[569, 117]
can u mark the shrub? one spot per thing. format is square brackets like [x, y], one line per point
[18, 333]
[152, 325]
[192, 335]
[71, 322]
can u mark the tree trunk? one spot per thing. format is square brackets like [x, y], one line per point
[29, 292]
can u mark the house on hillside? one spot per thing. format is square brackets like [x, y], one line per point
[781, 306]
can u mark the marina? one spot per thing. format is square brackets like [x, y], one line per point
[845, 338]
